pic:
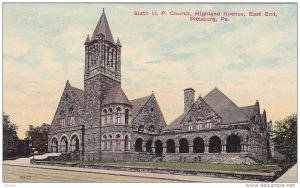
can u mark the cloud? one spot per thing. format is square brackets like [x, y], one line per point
[248, 58]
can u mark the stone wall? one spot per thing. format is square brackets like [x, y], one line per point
[150, 115]
[236, 158]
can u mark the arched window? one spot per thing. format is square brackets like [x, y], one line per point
[105, 142]
[170, 146]
[198, 145]
[209, 124]
[54, 145]
[126, 143]
[149, 146]
[141, 128]
[118, 140]
[118, 115]
[126, 117]
[199, 125]
[109, 142]
[105, 117]
[138, 145]
[62, 118]
[183, 145]
[233, 144]
[72, 117]
[151, 129]
[215, 145]
[109, 116]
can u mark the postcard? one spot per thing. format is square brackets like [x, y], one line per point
[150, 92]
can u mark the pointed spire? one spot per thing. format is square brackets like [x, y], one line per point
[118, 42]
[103, 28]
[87, 39]
[68, 83]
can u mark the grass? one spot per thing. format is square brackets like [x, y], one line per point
[197, 166]
[206, 166]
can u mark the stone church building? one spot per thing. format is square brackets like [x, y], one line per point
[101, 123]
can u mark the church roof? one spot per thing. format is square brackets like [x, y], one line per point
[248, 110]
[224, 107]
[79, 93]
[103, 28]
[138, 104]
[116, 96]
[176, 123]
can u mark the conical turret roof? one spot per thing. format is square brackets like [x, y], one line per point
[116, 96]
[103, 28]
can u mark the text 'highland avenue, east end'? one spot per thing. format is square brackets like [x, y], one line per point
[206, 16]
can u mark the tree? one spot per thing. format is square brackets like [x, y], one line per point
[38, 137]
[10, 137]
[285, 137]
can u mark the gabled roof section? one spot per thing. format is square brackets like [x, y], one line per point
[79, 93]
[224, 107]
[138, 104]
[116, 96]
[176, 123]
[248, 110]
[103, 28]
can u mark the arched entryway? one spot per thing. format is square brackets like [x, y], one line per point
[215, 145]
[149, 146]
[183, 145]
[64, 144]
[158, 148]
[198, 145]
[138, 145]
[233, 144]
[170, 146]
[54, 145]
[75, 143]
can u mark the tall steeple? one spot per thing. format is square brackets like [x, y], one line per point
[103, 28]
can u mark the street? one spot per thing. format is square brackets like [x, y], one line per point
[25, 174]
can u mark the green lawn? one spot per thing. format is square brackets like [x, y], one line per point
[199, 166]
[205, 166]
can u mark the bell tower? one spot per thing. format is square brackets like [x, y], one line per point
[102, 72]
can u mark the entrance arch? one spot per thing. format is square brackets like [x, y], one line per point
[170, 146]
[138, 145]
[233, 144]
[198, 145]
[75, 143]
[158, 148]
[183, 145]
[54, 145]
[215, 145]
[149, 146]
[64, 144]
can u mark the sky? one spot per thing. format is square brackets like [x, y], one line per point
[247, 58]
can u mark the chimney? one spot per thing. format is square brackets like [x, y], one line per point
[189, 98]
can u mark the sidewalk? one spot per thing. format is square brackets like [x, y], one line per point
[291, 176]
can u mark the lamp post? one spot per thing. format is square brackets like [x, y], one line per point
[33, 153]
